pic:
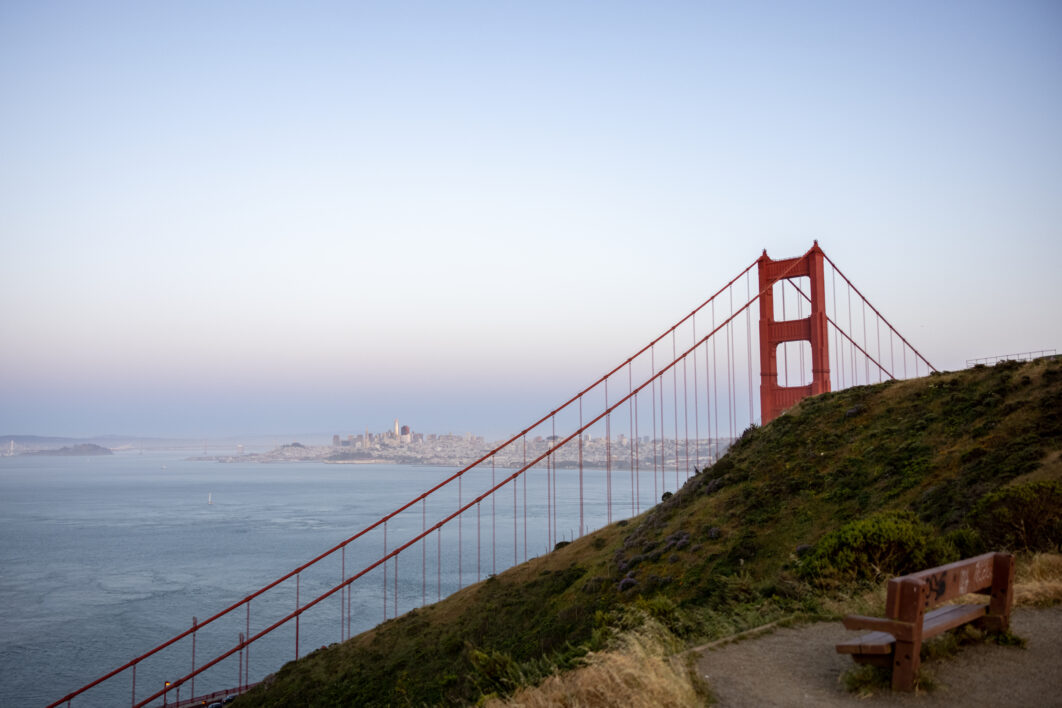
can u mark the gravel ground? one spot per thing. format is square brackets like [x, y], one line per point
[799, 667]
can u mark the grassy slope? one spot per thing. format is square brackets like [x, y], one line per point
[721, 554]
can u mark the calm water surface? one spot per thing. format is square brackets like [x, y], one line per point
[103, 558]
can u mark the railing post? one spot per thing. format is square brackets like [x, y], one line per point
[239, 675]
[133, 703]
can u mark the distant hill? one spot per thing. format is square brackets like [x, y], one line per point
[79, 450]
[842, 491]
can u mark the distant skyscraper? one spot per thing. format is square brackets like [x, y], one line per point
[396, 428]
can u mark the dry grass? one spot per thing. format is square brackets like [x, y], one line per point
[1038, 580]
[642, 672]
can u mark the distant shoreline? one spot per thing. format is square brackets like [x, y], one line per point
[81, 450]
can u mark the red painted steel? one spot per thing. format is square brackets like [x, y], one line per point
[775, 398]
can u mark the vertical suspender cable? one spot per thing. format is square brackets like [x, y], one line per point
[553, 459]
[424, 552]
[524, 475]
[696, 405]
[877, 331]
[637, 459]
[663, 441]
[193, 657]
[866, 359]
[581, 520]
[460, 534]
[674, 392]
[730, 367]
[384, 572]
[686, 414]
[653, 397]
[493, 523]
[892, 351]
[342, 595]
[804, 381]
[855, 381]
[715, 380]
[516, 533]
[748, 338]
[840, 359]
[299, 616]
[549, 501]
[608, 456]
[785, 345]
[630, 418]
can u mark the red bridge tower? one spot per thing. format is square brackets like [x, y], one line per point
[775, 398]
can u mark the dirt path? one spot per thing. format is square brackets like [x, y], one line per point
[798, 667]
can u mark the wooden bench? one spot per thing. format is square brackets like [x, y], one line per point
[897, 638]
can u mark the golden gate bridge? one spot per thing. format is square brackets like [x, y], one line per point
[664, 413]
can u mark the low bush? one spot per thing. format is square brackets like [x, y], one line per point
[1022, 517]
[874, 548]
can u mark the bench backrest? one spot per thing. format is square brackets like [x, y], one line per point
[954, 580]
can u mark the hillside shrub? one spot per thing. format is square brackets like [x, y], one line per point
[1022, 517]
[875, 548]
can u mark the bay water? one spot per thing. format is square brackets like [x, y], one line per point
[104, 558]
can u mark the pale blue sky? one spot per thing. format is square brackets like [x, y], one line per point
[236, 217]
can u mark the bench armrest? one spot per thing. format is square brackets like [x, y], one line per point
[903, 631]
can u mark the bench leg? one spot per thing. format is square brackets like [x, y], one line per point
[905, 663]
[911, 599]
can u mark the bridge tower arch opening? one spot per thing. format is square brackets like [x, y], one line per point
[775, 397]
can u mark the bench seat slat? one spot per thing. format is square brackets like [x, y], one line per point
[942, 619]
[872, 643]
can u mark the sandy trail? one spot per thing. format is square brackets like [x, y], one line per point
[798, 667]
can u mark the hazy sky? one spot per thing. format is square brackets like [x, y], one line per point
[236, 217]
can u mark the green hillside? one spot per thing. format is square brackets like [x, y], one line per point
[844, 490]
